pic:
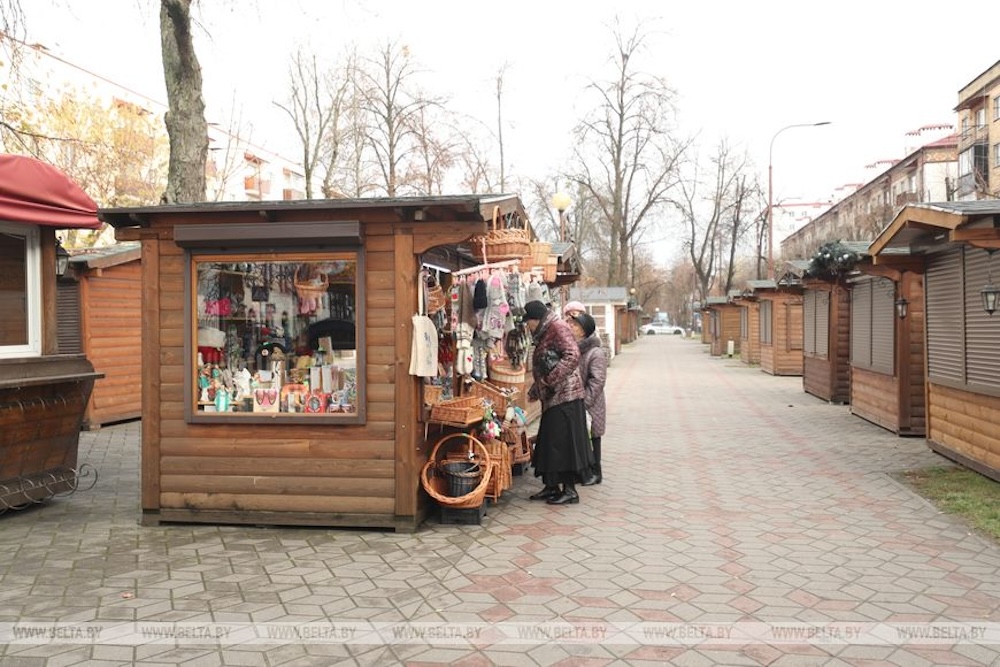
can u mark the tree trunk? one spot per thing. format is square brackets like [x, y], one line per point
[185, 119]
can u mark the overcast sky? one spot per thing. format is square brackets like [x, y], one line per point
[742, 70]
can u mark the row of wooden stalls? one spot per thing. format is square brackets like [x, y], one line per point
[907, 338]
[44, 388]
[287, 374]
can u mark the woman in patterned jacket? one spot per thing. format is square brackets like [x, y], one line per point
[562, 456]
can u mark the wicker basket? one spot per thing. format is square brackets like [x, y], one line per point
[517, 440]
[432, 394]
[502, 371]
[311, 287]
[499, 396]
[461, 411]
[540, 251]
[434, 479]
[501, 478]
[551, 269]
[500, 243]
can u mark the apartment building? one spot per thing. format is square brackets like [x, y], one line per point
[928, 173]
[979, 137]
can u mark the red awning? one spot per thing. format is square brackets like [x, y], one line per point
[36, 193]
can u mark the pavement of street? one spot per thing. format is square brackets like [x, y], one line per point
[741, 522]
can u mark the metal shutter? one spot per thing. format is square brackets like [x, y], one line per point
[982, 331]
[945, 316]
[744, 322]
[822, 324]
[809, 323]
[861, 323]
[883, 314]
[68, 328]
[765, 321]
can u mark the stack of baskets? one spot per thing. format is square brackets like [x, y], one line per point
[501, 478]
[518, 444]
[458, 462]
[501, 242]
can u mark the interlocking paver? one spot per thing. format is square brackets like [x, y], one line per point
[730, 497]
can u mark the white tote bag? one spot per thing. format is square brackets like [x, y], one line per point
[424, 347]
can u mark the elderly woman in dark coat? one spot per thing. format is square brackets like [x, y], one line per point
[594, 372]
[562, 452]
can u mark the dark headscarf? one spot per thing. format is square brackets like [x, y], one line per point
[586, 322]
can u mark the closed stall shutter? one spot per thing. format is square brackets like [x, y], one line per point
[822, 324]
[809, 323]
[68, 330]
[945, 317]
[861, 323]
[765, 322]
[982, 331]
[883, 324]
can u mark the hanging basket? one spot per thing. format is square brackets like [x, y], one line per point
[500, 243]
[458, 411]
[540, 252]
[498, 396]
[435, 477]
[501, 370]
[311, 286]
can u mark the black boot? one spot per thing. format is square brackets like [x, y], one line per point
[550, 491]
[594, 477]
[569, 496]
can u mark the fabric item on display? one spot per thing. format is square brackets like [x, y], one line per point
[424, 348]
[480, 356]
[515, 293]
[479, 298]
[496, 311]
[535, 292]
[464, 330]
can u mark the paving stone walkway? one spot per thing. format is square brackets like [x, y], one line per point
[742, 522]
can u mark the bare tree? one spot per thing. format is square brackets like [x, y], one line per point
[185, 119]
[433, 153]
[626, 155]
[393, 106]
[717, 222]
[503, 165]
[315, 106]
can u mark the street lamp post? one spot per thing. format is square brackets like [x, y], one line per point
[770, 193]
[561, 202]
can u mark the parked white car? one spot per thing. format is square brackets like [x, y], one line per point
[654, 328]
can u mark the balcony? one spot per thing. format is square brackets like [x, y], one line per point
[904, 198]
[291, 194]
[973, 135]
[256, 186]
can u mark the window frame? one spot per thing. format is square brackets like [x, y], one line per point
[32, 347]
[249, 255]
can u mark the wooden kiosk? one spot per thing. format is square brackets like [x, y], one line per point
[780, 327]
[952, 247]
[319, 291]
[42, 393]
[723, 326]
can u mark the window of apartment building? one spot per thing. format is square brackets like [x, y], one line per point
[996, 155]
[996, 108]
[981, 117]
[20, 291]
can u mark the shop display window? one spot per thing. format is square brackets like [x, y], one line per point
[276, 336]
[20, 291]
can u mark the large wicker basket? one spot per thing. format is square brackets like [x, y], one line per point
[459, 411]
[501, 370]
[540, 251]
[434, 479]
[499, 396]
[501, 243]
[502, 477]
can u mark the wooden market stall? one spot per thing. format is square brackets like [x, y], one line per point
[887, 348]
[43, 393]
[278, 348]
[780, 327]
[749, 328]
[100, 316]
[826, 350]
[952, 245]
[723, 325]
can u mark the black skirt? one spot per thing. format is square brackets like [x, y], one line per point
[562, 448]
